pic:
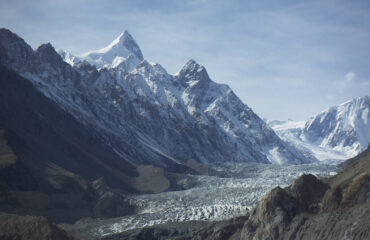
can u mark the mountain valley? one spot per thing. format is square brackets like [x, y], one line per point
[106, 145]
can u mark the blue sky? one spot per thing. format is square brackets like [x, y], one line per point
[285, 59]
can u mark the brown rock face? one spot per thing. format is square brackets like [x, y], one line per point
[351, 186]
[277, 208]
[336, 208]
[357, 191]
[308, 191]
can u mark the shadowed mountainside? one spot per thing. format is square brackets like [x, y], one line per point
[48, 161]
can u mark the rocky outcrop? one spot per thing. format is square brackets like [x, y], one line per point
[275, 212]
[164, 231]
[308, 191]
[230, 229]
[351, 186]
[111, 204]
[107, 202]
[334, 208]
[29, 228]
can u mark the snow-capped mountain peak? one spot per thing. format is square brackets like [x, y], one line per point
[333, 126]
[14, 49]
[68, 57]
[121, 49]
[193, 72]
[145, 114]
[192, 67]
[48, 53]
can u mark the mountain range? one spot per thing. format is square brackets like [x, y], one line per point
[144, 114]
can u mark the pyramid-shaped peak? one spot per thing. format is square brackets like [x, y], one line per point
[123, 38]
[126, 41]
[48, 53]
[46, 47]
[192, 67]
[194, 71]
[192, 62]
[122, 48]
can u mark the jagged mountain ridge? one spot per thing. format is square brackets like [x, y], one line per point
[145, 114]
[339, 132]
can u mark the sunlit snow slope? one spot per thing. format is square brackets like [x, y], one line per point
[337, 133]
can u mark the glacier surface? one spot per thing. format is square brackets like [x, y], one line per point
[208, 198]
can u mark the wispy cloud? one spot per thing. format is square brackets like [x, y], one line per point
[350, 76]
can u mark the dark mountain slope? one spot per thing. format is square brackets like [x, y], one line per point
[40, 132]
[48, 159]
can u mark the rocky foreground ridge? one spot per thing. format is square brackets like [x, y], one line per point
[310, 208]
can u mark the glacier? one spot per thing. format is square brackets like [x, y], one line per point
[207, 198]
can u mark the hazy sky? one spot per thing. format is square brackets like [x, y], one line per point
[285, 59]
